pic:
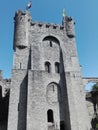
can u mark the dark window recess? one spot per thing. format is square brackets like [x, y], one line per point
[57, 67]
[50, 43]
[47, 67]
[62, 125]
[50, 116]
[51, 38]
[53, 88]
[20, 65]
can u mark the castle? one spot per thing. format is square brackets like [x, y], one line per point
[46, 90]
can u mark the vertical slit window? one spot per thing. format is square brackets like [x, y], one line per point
[50, 116]
[47, 67]
[20, 65]
[57, 67]
[50, 43]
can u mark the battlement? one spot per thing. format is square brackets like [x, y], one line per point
[69, 19]
[67, 26]
[47, 25]
[21, 13]
[23, 17]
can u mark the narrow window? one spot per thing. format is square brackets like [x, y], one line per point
[53, 88]
[62, 125]
[57, 66]
[50, 43]
[50, 116]
[47, 67]
[20, 65]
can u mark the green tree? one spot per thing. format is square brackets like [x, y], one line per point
[93, 97]
[95, 87]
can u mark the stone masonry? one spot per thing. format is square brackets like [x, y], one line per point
[46, 88]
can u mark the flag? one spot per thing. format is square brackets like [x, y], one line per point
[29, 5]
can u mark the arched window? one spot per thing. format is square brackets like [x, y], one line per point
[52, 39]
[47, 67]
[57, 67]
[50, 116]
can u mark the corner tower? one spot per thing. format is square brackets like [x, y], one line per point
[21, 45]
[46, 88]
[22, 28]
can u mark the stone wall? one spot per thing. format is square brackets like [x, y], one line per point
[46, 77]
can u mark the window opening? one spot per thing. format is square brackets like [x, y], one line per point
[53, 88]
[57, 66]
[50, 43]
[51, 38]
[50, 116]
[62, 125]
[20, 65]
[47, 67]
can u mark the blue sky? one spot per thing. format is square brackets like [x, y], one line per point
[84, 12]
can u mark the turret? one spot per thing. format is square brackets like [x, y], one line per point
[68, 24]
[21, 29]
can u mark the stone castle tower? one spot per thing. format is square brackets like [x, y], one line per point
[46, 91]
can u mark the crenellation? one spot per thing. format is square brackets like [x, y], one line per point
[47, 25]
[20, 12]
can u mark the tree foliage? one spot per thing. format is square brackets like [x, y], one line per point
[95, 87]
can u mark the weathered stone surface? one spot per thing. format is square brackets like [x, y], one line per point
[46, 90]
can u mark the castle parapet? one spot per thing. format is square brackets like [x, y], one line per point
[47, 25]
